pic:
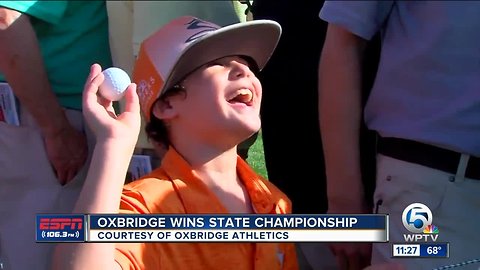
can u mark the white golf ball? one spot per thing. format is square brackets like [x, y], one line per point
[115, 83]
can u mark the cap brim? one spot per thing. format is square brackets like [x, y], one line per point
[256, 39]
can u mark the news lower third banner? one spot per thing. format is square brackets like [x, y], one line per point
[211, 228]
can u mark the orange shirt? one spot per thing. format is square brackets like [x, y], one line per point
[174, 189]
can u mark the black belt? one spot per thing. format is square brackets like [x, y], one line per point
[427, 155]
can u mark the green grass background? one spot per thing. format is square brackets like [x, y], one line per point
[256, 159]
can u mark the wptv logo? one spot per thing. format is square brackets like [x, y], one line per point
[417, 219]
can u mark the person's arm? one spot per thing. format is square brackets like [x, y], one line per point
[100, 194]
[22, 64]
[116, 138]
[340, 114]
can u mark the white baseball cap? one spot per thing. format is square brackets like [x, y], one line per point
[186, 43]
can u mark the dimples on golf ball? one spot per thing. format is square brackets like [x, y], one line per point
[115, 83]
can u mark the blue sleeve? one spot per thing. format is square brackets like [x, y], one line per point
[48, 11]
[362, 18]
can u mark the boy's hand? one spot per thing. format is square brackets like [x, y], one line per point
[101, 116]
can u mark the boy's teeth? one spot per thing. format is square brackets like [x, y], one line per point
[243, 95]
[244, 92]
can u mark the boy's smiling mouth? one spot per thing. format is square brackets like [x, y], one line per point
[244, 96]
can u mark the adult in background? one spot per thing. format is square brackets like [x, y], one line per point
[424, 107]
[46, 50]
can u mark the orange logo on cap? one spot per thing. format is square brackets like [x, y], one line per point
[149, 82]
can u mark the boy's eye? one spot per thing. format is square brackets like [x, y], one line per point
[211, 64]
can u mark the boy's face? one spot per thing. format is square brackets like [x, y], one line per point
[222, 98]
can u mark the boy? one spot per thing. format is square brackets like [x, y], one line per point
[200, 96]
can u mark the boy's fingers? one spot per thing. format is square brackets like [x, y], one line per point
[95, 78]
[95, 70]
[132, 103]
[104, 102]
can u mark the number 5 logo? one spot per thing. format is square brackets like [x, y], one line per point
[416, 217]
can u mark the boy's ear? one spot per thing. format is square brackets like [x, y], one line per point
[163, 109]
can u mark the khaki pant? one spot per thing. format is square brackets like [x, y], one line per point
[28, 186]
[453, 200]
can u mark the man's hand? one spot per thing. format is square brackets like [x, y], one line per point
[22, 64]
[350, 256]
[386, 266]
[67, 151]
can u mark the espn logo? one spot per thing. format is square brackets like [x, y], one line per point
[61, 223]
[56, 228]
